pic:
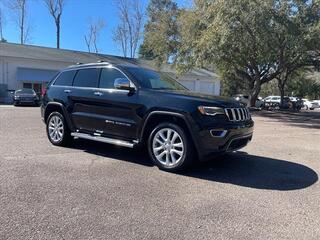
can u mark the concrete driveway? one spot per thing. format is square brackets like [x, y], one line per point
[269, 190]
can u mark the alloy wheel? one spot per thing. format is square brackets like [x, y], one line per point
[56, 129]
[168, 147]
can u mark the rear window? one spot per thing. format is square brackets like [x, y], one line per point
[87, 78]
[65, 78]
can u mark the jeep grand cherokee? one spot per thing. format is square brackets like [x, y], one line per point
[131, 106]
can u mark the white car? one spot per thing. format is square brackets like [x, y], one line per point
[245, 100]
[311, 104]
[272, 99]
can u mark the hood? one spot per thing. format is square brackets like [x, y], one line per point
[217, 101]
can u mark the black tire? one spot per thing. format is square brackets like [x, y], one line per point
[188, 149]
[66, 138]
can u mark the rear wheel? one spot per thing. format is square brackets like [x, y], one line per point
[57, 129]
[169, 147]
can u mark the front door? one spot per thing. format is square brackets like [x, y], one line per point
[116, 110]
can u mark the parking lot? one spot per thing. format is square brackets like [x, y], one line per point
[268, 190]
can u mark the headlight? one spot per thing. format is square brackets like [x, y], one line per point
[211, 111]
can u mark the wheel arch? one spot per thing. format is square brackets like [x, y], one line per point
[57, 107]
[156, 117]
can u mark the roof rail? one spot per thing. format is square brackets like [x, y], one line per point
[102, 61]
[79, 63]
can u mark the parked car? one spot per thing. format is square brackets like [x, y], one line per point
[131, 106]
[310, 104]
[272, 99]
[271, 102]
[25, 97]
[244, 99]
[296, 102]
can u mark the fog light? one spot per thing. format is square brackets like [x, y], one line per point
[218, 133]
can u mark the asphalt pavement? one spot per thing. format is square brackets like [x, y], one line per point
[268, 190]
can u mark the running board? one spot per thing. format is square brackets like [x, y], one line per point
[103, 139]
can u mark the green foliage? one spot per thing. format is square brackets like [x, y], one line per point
[249, 42]
[161, 32]
[252, 41]
[305, 84]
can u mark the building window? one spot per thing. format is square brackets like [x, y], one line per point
[27, 85]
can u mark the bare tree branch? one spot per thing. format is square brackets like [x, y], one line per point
[120, 36]
[93, 34]
[55, 8]
[1, 24]
[20, 9]
[128, 33]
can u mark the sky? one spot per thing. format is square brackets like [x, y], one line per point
[74, 24]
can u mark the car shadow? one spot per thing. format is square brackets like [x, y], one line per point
[138, 156]
[237, 168]
[253, 171]
[305, 119]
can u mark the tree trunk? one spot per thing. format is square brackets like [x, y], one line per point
[58, 33]
[254, 93]
[281, 90]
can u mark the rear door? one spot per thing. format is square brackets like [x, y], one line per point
[116, 110]
[83, 102]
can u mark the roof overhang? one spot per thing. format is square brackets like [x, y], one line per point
[35, 75]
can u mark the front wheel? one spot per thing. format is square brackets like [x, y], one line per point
[57, 129]
[169, 147]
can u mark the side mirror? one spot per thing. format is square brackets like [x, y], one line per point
[123, 84]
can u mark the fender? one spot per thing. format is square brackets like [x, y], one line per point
[179, 115]
[64, 111]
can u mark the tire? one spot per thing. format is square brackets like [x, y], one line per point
[60, 134]
[171, 155]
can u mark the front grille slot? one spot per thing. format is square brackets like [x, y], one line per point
[237, 114]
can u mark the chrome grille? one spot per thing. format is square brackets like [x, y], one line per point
[237, 114]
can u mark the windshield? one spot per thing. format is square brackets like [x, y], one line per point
[154, 80]
[25, 91]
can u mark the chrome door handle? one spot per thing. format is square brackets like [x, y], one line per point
[98, 93]
[67, 91]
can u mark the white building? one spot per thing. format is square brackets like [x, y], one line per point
[26, 66]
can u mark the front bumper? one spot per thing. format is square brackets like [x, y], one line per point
[225, 138]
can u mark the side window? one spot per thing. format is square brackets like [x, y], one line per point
[65, 78]
[87, 78]
[108, 75]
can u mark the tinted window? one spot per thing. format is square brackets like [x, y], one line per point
[154, 80]
[108, 75]
[87, 78]
[65, 78]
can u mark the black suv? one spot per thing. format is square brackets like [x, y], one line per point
[131, 106]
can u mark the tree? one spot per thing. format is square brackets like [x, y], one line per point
[55, 8]
[19, 7]
[1, 25]
[304, 84]
[161, 36]
[297, 39]
[93, 34]
[255, 40]
[128, 32]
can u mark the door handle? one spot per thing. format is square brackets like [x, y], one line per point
[98, 93]
[67, 91]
